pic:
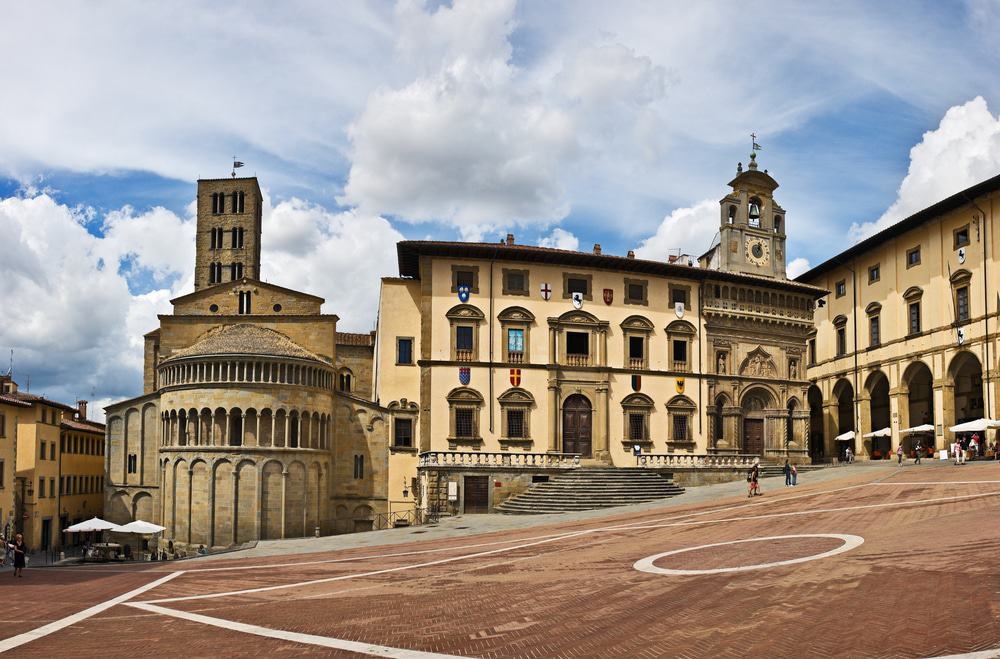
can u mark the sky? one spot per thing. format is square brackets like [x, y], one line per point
[566, 123]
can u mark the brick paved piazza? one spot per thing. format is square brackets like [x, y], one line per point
[924, 582]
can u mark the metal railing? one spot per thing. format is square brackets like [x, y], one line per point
[483, 459]
[697, 460]
[413, 517]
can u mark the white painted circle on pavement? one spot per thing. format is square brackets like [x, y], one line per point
[850, 542]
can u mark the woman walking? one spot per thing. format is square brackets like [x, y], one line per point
[19, 554]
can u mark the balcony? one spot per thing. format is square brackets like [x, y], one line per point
[577, 359]
[515, 357]
[636, 363]
[681, 366]
[463, 356]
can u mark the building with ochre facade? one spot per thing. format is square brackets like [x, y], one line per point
[250, 426]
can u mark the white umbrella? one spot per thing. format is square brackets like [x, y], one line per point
[884, 432]
[140, 527]
[845, 437]
[95, 524]
[979, 425]
[921, 428]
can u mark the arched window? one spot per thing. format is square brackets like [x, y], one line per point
[754, 211]
[777, 224]
[345, 380]
[731, 217]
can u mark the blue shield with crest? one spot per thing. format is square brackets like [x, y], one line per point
[463, 293]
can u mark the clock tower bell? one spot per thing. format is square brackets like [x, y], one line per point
[752, 231]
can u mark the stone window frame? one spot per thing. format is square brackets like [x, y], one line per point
[913, 297]
[464, 315]
[960, 279]
[464, 398]
[516, 398]
[644, 283]
[515, 318]
[874, 312]
[840, 325]
[679, 287]
[509, 291]
[955, 236]
[637, 403]
[566, 276]
[636, 326]
[412, 361]
[474, 269]
[404, 409]
[909, 252]
[585, 322]
[874, 273]
[680, 330]
[840, 288]
[680, 405]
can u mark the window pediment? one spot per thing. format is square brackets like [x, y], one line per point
[871, 309]
[913, 293]
[464, 395]
[679, 402]
[681, 327]
[403, 405]
[637, 324]
[516, 314]
[840, 320]
[960, 276]
[516, 395]
[465, 312]
[637, 400]
[577, 317]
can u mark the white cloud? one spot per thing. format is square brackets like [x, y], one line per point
[963, 150]
[690, 229]
[797, 267]
[560, 239]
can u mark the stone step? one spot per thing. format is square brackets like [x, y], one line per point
[588, 488]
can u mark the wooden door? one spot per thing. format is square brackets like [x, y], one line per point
[753, 436]
[577, 426]
[476, 498]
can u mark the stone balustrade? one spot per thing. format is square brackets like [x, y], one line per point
[696, 460]
[511, 460]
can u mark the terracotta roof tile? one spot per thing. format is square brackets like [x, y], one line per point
[83, 426]
[245, 339]
[353, 339]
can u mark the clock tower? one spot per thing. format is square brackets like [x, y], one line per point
[752, 232]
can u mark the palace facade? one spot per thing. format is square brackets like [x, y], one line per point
[255, 421]
[519, 356]
[908, 334]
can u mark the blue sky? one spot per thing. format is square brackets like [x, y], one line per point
[566, 123]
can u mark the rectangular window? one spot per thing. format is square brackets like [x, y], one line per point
[841, 341]
[914, 318]
[515, 424]
[812, 351]
[52, 451]
[41, 453]
[2, 472]
[41, 488]
[873, 331]
[404, 432]
[678, 295]
[52, 487]
[962, 302]
[515, 342]
[463, 338]
[636, 347]
[841, 288]
[463, 423]
[577, 343]
[961, 236]
[637, 427]
[3, 425]
[575, 285]
[680, 351]
[404, 351]
[515, 282]
[465, 278]
[874, 274]
[359, 466]
[62, 485]
[913, 256]
[680, 428]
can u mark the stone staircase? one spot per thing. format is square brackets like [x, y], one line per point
[588, 488]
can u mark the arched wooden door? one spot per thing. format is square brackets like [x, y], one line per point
[576, 426]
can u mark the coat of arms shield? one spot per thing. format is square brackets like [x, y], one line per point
[680, 385]
[578, 300]
[463, 293]
[515, 377]
[464, 376]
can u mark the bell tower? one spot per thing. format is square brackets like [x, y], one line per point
[227, 245]
[752, 230]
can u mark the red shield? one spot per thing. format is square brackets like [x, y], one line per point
[515, 377]
[609, 295]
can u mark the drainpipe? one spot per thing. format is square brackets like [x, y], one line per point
[854, 314]
[492, 401]
[701, 411]
[986, 306]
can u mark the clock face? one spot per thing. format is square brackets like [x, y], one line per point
[758, 251]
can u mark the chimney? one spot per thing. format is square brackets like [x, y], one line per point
[510, 239]
[631, 254]
[597, 248]
[81, 410]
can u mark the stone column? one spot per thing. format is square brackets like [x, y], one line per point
[284, 494]
[257, 436]
[211, 428]
[189, 501]
[273, 426]
[553, 438]
[899, 415]
[226, 439]
[211, 508]
[601, 451]
[830, 412]
[552, 345]
[288, 419]
[236, 505]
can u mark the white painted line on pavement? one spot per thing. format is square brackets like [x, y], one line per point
[647, 564]
[295, 637]
[8, 644]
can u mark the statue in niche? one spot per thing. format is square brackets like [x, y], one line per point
[720, 366]
[793, 369]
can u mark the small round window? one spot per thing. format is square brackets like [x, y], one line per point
[213, 308]
[277, 307]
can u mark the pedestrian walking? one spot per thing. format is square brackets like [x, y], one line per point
[755, 478]
[974, 446]
[788, 474]
[795, 476]
[919, 449]
[899, 455]
[20, 554]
